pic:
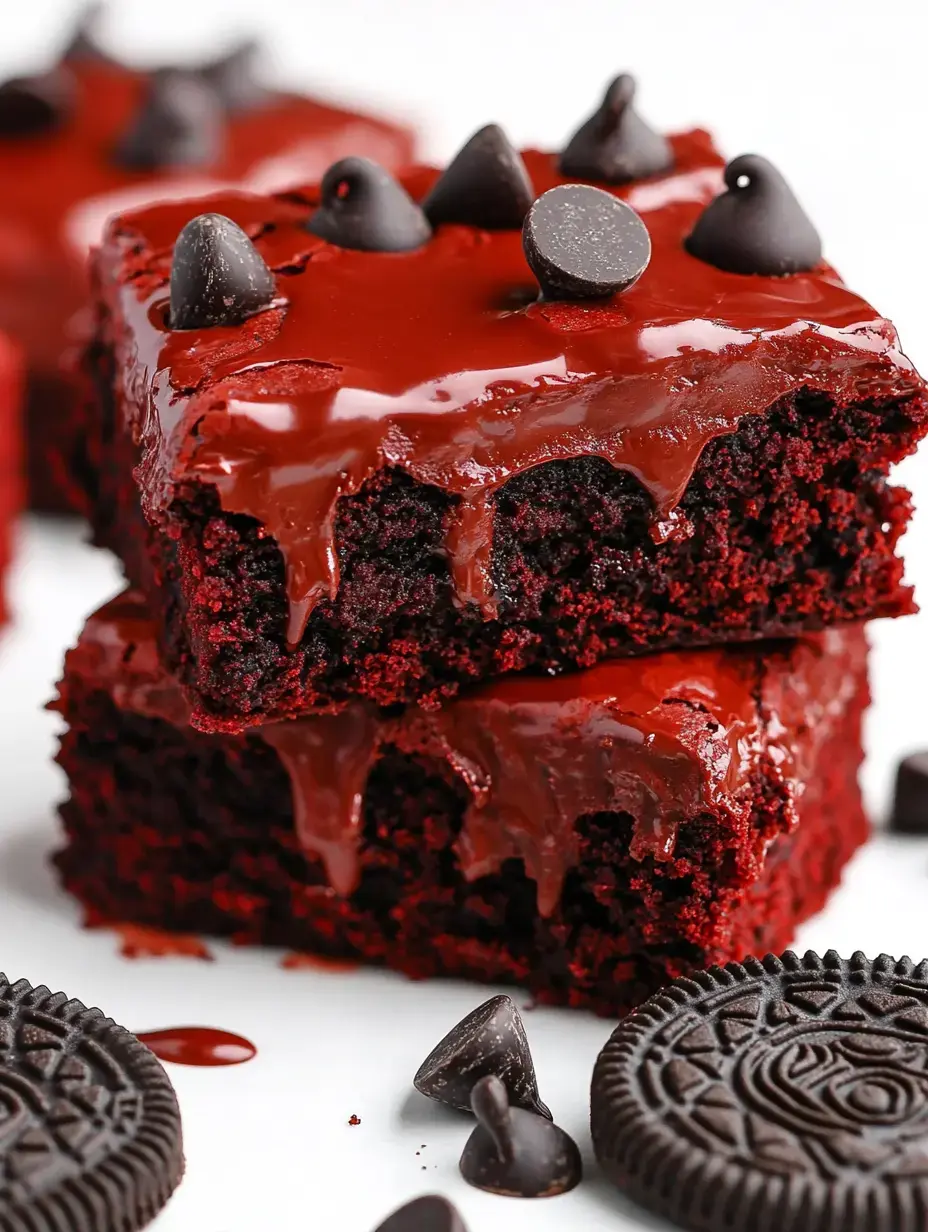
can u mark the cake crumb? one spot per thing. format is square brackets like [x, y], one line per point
[354, 1119]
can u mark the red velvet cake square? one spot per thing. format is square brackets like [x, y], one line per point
[92, 137]
[589, 836]
[10, 455]
[387, 472]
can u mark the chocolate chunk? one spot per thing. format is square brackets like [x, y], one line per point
[910, 802]
[485, 185]
[218, 277]
[83, 43]
[799, 1076]
[584, 243]
[756, 226]
[91, 1131]
[490, 1040]
[514, 1152]
[235, 79]
[362, 206]
[180, 124]
[428, 1214]
[615, 145]
[32, 106]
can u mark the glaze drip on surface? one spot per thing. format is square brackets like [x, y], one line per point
[661, 739]
[440, 362]
[200, 1046]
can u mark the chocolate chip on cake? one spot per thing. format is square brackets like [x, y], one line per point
[218, 277]
[615, 145]
[756, 226]
[777, 1092]
[583, 243]
[490, 1040]
[362, 206]
[514, 1152]
[90, 1131]
[180, 124]
[485, 185]
[31, 106]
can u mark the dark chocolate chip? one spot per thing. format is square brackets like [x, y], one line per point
[773, 1092]
[910, 802]
[84, 44]
[91, 1133]
[615, 145]
[218, 277]
[514, 1152]
[583, 243]
[490, 1040]
[235, 77]
[428, 1214]
[485, 185]
[756, 226]
[31, 106]
[362, 206]
[180, 124]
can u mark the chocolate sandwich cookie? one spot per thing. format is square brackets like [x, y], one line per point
[90, 1132]
[782, 1093]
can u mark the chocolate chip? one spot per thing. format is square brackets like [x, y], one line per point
[235, 78]
[490, 1040]
[83, 44]
[615, 145]
[31, 106]
[584, 243]
[485, 185]
[363, 207]
[428, 1214]
[218, 277]
[757, 226]
[180, 124]
[514, 1152]
[910, 802]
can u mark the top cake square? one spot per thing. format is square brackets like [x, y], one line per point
[396, 472]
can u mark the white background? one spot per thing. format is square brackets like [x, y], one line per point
[835, 92]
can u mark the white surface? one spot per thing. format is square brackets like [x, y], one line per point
[836, 93]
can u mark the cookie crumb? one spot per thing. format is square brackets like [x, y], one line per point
[354, 1119]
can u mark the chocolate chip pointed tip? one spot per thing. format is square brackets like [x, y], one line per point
[84, 43]
[33, 106]
[584, 243]
[615, 145]
[429, 1213]
[756, 226]
[490, 1040]
[218, 277]
[363, 207]
[235, 76]
[517, 1153]
[180, 124]
[485, 185]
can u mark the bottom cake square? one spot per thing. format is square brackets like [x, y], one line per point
[589, 837]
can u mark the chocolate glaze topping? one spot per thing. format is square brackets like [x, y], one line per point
[659, 738]
[438, 361]
[615, 145]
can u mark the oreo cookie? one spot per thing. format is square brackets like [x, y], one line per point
[90, 1131]
[783, 1093]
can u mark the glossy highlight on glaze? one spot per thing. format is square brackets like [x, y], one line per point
[534, 753]
[198, 1046]
[441, 362]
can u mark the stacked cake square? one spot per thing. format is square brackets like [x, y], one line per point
[499, 544]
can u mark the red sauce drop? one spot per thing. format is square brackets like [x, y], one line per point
[198, 1046]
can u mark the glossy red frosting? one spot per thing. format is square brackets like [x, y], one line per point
[58, 188]
[664, 738]
[441, 362]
